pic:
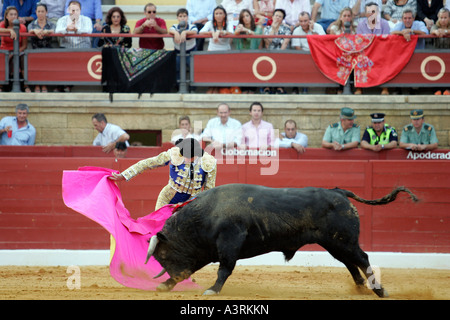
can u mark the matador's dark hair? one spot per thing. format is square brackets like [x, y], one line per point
[189, 147]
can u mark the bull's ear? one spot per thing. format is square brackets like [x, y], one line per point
[161, 236]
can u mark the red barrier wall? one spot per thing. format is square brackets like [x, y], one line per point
[33, 215]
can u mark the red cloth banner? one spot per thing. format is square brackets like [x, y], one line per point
[374, 59]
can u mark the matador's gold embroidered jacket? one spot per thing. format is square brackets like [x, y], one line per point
[204, 171]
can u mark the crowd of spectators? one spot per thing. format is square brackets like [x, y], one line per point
[252, 17]
[223, 131]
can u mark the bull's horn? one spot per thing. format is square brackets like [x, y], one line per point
[160, 274]
[151, 247]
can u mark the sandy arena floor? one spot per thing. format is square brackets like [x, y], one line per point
[246, 282]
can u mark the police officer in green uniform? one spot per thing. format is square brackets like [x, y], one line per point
[342, 135]
[418, 136]
[379, 136]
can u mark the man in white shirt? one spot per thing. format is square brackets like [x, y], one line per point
[109, 134]
[293, 139]
[74, 23]
[307, 26]
[223, 131]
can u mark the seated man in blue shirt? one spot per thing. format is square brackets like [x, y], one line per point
[17, 131]
[409, 26]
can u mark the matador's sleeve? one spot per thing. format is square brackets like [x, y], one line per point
[159, 161]
[209, 165]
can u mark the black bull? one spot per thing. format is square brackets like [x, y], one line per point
[239, 221]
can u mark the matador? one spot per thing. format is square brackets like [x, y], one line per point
[191, 169]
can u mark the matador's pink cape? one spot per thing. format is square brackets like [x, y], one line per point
[90, 192]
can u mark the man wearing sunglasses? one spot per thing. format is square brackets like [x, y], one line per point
[151, 25]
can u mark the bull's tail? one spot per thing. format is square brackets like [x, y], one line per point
[385, 200]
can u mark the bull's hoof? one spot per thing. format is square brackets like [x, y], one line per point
[382, 293]
[210, 292]
[163, 288]
[166, 286]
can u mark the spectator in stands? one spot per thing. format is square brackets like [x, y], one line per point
[17, 131]
[151, 25]
[55, 10]
[42, 28]
[307, 26]
[291, 138]
[109, 134]
[184, 130]
[11, 14]
[257, 133]
[418, 136]
[217, 28]
[427, 11]
[200, 12]
[359, 8]
[74, 23]
[277, 28]
[293, 8]
[330, 11]
[338, 27]
[26, 9]
[379, 136]
[120, 150]
[93, 10]
[372, 24]
[115, 22]
[441, 29]
[409, 26]
[234, 8]
[247, 25]
[342, 135]
[223, 131]
[393, 10]
[181, 31]
[264, 11]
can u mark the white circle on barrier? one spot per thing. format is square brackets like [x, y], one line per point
[96, 70]
[255, 68]
[425, 74]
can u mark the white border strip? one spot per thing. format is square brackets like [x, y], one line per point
[301, 258]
